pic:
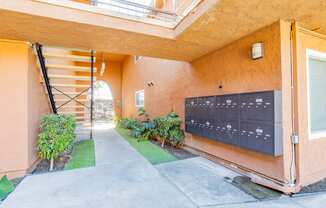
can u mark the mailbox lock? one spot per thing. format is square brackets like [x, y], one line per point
[259, 131]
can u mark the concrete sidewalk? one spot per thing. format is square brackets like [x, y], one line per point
[122, 178]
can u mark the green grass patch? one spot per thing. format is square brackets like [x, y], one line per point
[6, 187]
[153, 153]
[83, 155]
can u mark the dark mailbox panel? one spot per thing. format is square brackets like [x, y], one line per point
[261, 137]
[229, 107]
[248, 120]
[257, 106]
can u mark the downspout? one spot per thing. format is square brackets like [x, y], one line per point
[294, 134]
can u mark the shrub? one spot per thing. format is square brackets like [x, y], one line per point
[127, 123]
[57, 135]
[168, 129]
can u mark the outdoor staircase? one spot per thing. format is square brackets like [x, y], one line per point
[68, 78]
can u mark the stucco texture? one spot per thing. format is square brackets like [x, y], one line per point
[24, 101]
[230, 67]
[311, 152]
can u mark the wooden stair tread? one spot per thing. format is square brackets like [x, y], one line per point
[69, 56]
[71, 67]
[70, 85]
[66, 99]
[74, 77]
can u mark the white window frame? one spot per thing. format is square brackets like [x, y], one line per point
[136, 93]
[319, 56]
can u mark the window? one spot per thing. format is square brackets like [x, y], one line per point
[316, 76]
[140, 98]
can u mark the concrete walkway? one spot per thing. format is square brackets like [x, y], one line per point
[122, 178]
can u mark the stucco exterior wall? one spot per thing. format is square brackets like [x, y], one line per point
[311, 152]
[230, 67]
[37, 106]
[21, 108]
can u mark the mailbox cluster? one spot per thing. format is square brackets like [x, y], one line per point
[248, 120]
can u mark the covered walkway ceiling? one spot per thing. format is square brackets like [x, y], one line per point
[212, 25]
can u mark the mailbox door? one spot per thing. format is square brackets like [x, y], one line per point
[230, 107]
[260, 136]
[257, 106]
[230, 131]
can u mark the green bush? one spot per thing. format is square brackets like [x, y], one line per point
[127, 123]
[57, 135]
[168, 129]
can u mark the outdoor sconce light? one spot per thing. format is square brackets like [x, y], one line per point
[150, 84]
[257, 51]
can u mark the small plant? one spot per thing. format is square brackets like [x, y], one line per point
[142, 114]
[57, 135]
[168, 129]
[127, 123]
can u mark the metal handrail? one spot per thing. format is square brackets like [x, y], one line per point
[45, 76]
[142, 6]
[140, 9]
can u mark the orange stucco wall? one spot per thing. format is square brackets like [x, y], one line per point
[21, 107]
[311, 152]
[230, 67]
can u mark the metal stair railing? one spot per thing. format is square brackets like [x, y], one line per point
[40, 56]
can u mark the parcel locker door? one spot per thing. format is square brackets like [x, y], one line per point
[257, 106]
[200, 112]
[243, 135]
[194, 108]
[190, 126]
[187, 109]
[230, 107]
[210, 102]
[218, 133]
[261, 137]
[205, 107]
[231, 132]
[218, 108]
[206, 128]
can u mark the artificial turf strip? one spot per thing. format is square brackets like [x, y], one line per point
[82, 156]
[153, 153]
[6, 187]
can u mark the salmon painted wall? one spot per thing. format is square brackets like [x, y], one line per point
[20, 108]
[311, 152]
[230, 67]
[37, 106]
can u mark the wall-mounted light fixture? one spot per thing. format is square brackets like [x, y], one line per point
[257, 50]
[150, 84]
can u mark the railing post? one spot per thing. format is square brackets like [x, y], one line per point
[92, 90]
[45, 76]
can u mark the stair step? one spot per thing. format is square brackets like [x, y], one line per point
[79, 117]
[45, 48]
[69, 67]
[73, 106]
[65, 100]
[70, 85]
[72, 112]
[54, 92]
[73, 77]
[68, 56]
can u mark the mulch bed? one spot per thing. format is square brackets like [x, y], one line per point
[179, 153]
[44, 165]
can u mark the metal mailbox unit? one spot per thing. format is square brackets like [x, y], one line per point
[248, 120]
